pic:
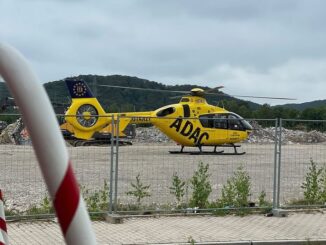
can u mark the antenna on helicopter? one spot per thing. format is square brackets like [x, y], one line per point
[222, 103]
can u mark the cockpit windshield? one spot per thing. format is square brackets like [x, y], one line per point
[245, 123]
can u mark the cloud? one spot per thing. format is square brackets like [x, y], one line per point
[302, 79]
[250, 45]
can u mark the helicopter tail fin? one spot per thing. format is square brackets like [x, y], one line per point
[78, 89]
[85, 113]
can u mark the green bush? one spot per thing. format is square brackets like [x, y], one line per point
[236, 191]
[322, 183]
[311, 186]
[139, 190]
[201, 187]
[262, 199]
[177, 188]
[45, 207]
[98, 200]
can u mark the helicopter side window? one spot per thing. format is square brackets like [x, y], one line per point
[235, 123]
[184, 100]
[207, 121]
[214, 121]
[165, 112]
[221, 121]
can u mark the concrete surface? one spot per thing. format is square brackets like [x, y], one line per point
[296, 228]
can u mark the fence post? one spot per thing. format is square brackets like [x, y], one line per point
[116, 164]
[279, 163]
[112, 217]
[275, 165]
[111, 166]
[277, 170]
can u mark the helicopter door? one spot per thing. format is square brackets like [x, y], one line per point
[236, 127]
[220, 127]
[216, 125]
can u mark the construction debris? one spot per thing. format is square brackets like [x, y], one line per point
[150, 135]
[3, 125]
[289, 136]
[259, 135]
[15, 133]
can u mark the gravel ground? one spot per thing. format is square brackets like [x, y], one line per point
[23, 186]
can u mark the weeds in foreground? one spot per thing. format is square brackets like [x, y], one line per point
[234, 199]
[311, 184]
[191, 240]
[97, 200]
[140, 190]
[314, 186]
[236, 191]
[201, 187]
[177, 188]
[45, 207]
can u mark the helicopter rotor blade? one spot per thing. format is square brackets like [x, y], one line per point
[260, 97]
[148, 89]
[218, 93]
[217, 89]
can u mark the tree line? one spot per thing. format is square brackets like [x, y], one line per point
[122, 100]
[266, 111]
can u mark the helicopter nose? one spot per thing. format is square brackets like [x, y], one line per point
[249, 132]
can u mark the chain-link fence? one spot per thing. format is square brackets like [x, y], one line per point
[139, 174]
[149, 162]
[302, 163]
[21, 180]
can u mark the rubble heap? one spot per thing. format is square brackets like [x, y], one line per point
[14, 133]
[296, 136]
[289, 136]
[3, 125]
[259, 135]
[150, 135]
[6, 136]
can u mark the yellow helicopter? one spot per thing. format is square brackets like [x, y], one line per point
[192, 122]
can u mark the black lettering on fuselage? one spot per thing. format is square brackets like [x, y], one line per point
[195, 135]
[206, 135]
[176, 124]
[140, 119]
[188, 126]
[187, 130]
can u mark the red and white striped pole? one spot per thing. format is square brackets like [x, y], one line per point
[3, 225]
[49, 146]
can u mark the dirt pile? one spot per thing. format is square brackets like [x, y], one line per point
[6, 136]
[3, 125]
[289, 136]
[296, 136]
[259, 135]
[14, 133]
[150, 135]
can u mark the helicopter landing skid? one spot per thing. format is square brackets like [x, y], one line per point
[201, 152]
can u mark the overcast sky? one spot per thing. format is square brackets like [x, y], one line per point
[252, 47]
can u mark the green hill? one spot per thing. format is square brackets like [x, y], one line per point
[117, 99]
[306, 105]
[121, 100]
